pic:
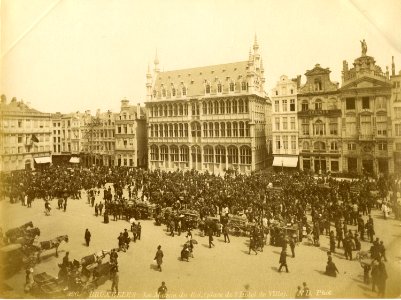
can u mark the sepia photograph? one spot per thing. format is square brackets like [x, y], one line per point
[200, 149]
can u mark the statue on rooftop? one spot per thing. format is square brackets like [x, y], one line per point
[364, 47]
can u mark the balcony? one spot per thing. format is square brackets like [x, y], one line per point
[366, 137]
[319, 112]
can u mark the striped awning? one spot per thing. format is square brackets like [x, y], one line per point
[43, 160]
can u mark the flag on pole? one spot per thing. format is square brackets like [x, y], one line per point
[34, 138]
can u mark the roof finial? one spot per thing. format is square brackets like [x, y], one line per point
[392, 67]
[156, 61]
[255, 43]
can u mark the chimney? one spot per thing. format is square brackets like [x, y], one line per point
[3, 99]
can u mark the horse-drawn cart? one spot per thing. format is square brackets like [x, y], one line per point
[238, 225]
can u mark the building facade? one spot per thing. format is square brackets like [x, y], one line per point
[130, 136]
[208, 118]
[319, 121]
[395, 164]
[25, 136]
[285, 123]
[365, 104]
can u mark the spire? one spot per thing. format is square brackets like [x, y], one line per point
[156, 63]
[392, 67]
[255, 43]
[262, 69]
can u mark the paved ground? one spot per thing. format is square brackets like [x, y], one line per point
[226, 271]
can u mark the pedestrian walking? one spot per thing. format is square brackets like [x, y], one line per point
[283, 261]
[100, 208]
[332, 242]
[139, 230]
[252, 246]
[210, 238]
[381, 280]
[114, 278]
[159, 257]
[65, 204]
[87, 237]
[96, 210]
[162, 291]
[225, 233]
[292, 246]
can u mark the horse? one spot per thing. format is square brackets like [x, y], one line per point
[15, 233]
[50, 244]
[90, 262]
[29, 237]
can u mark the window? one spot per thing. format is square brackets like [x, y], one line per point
[243, 86]
[284, 104]
[216, 129]
[285, 123]
[208, 88]
[181, 130]
[305, 146]
[351, 146]
[170, 110]
[186, 130]
[163, 92]
[319, 146]
[173, 92]
[278, 143]
[232, 155]
[305, 106]
[398, 129]
[293, 142]
[398, 147]
[219, 88]
[318, 84]
[228, 107]
[365, 102]
[154, 152]
[205, 130]
[210, 129]
[19, 139]
[247, 129]
[382, 146]
[350, 103]
[222, 107]
[245, 155]
[333, 146]
[180, 109]
[366, 125]
[195, 109]
[276, 93]
[204, 108]
[208, 154]
[277, 123]
[318, 105]
[397, 112]
[174, 153]
[222, 129]
[164, 153]
[19, 123]
[232, 86]
[220, 155]
[292, 104]
[276, 105]
[305, 126]
[234, 106]
[241, 106]
[319, 128]
[350, 127]
[235, 129]
[285, 142]
[196, 154]
[228, 129]
[210, 107]
[334, 166]
[184, 154]
[184, 91]
[166, 130]
[292, 122]
[381, 123]
[333, 126]
[171, 130]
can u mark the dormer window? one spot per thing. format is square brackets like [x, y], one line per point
[173, 92]
[207, 88]
[318, 84]
[154, 93]
[184, 91]
[219, 88]
[232, 86]
[163, 92]
[243, 86]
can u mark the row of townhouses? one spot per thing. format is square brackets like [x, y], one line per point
[218, 118]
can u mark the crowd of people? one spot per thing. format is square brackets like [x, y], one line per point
[312, 205]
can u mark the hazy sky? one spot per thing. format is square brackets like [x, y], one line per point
[70, 55]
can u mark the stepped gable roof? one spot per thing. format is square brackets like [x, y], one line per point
[194, 79]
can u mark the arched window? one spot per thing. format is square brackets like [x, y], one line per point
[185, 109]
[220, 155]
[241, 129]
[175, 130]
[247, 129]
[216, 129]
[152, 130]
[241, 106]
[208, 154]
[210, 129]
[186, 130]
[207, 89]
[165, 110]
[305, 105]
[333, 146]
[245, 155]
[164, 153]
[318, 104]
[232, 86]
[174, 153]
[163, 92]
[232, 155]
[228, 107]
[181, 130]
[319, 146]
[166, 130]
[175, 110]
[234, 106]
[196, 129]
[184, 91]
[319, 128]
[243, 86]
[219, 88]
[161, 130]
[205, 132]
[196, 154]
[170, 110]
[216, 107]
[210, 107]
[222, 107]
[246, 106]
[171, 131]
[222, 129]
[228, 129]
[180, 109]
[235, 129]
[154, 152]
[204, 108]
[160, 109]
[156, 130]
[173, 92]
[305, 146]
[184, 154]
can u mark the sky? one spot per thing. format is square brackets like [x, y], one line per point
[72, 55]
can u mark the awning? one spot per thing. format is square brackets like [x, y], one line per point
[74, 160]
[285, 161]
[43, 160]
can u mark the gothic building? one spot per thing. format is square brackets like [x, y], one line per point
[365, 104]
[208, 118]
[319, 118]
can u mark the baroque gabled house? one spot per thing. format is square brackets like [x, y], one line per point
[365, 103]
[208, 118]
[319, 118]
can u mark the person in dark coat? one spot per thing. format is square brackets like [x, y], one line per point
[106, 216]
[159, 257]
[283, 261]
[332, 242]
[381, 279]
[100, 208]
[292, 246]
[210, 233]
[139, 230]
[65, 204]
[331, 268]
[225, 233]
[87, 237]
[162, 291]
[96, 210]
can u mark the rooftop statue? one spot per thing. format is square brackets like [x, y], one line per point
[364, 47]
